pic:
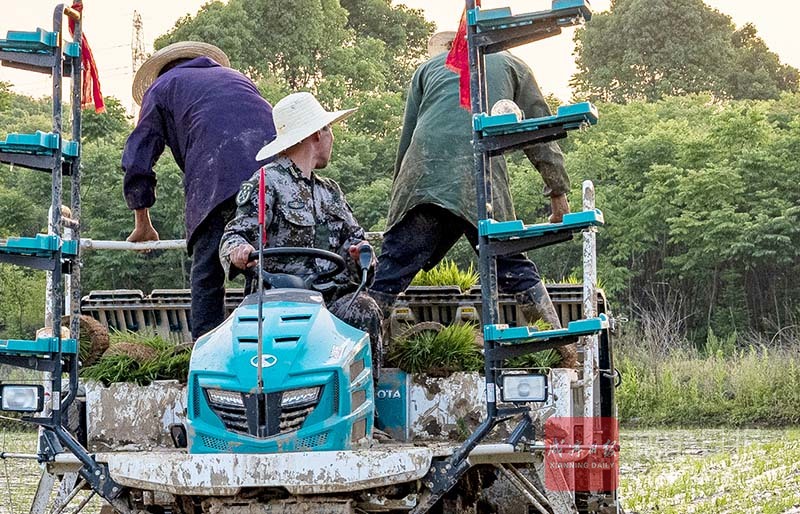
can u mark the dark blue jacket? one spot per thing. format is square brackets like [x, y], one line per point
[214, 120]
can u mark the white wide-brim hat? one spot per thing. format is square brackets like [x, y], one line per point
[296, 117]
[150, 69]
[440, 42]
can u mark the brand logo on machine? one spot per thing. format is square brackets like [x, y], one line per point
[267, 361]
[388, 394]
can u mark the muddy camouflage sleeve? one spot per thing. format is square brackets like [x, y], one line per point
[243, 228]
[352, 234]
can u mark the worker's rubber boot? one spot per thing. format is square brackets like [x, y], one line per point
[536, 305]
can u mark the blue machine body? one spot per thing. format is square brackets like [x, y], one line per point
[305, 349]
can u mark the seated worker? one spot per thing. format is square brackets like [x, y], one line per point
[304, 210]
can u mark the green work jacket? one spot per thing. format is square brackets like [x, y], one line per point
[435, 161]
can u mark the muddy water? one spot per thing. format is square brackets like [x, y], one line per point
[650, 459]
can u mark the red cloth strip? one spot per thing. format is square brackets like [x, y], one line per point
[90, 90]
[458, 59]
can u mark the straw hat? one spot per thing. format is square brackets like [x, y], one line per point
[150, 69]
[296, 117]
[440, 42]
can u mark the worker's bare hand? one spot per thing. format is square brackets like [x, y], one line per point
[241, 255]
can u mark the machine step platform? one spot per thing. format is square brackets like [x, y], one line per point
[568, 117]
[44, 346]
[37, 41]
[506, 131]
[498, 29]
[33, 51]
[40, 252]
[510, 237]
[516, 229]
[38, 143]
[41, 245]
[37, 151]
[506, 335]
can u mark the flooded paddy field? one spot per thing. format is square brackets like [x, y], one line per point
[700, 471]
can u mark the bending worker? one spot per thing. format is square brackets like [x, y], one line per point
[214, 120]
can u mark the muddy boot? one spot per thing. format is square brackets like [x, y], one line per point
[536, 305]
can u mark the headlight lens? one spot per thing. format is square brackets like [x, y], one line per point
[525, 388]
[300, 397]
[225, 398]
[22, 398]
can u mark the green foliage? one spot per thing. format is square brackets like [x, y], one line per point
[118, 365]
[403, 31]
[5, 95]
[447, 273]
[331, 49]
[21, 302]
[752, 386]
[702, 197]
[450, 350]
[720, 347]
[107, 126]
[369, 203]
[757, 72]
[645, 50]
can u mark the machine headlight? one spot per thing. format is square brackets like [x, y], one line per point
[300, 397]
[225, 398]
[22, 398]
[524, 388]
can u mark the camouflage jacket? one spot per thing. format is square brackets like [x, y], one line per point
[308, 213]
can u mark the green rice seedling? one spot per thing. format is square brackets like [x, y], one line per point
[450, 350]
[139, 358]
[411, 353]
[574, 279]
[543, 359]
[447, 273]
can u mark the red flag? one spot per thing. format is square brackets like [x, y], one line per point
[458, 59]
[90, 92]
[262, 201]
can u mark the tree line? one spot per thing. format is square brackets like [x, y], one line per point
[694, 158]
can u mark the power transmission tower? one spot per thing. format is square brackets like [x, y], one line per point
[137, 49]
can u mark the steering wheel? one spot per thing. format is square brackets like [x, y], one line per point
[284, 280]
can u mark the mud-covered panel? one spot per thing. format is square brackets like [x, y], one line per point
[299, 473]
[446, 408]
[132, 417]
